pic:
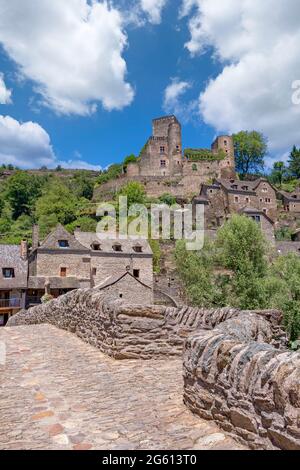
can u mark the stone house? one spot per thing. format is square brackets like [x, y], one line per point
[125, 286]
[225, 197]
[64, 262]
[266, 224]
[164, 167]
[291, 201]
[13, 280]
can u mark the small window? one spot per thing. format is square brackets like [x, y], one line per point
[236, 199]
[247, 200]
[138, 249]
[96, 247]
[63, 244]
[94, 271]
[136, 273]
[234, 186]
[225, 143]
[163, 163]
[245, 188]
[162, 149]
[63, 272]
[177, 148]
[8, 273]
[117, 248]
[194, 167]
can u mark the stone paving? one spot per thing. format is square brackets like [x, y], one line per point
[57, 392]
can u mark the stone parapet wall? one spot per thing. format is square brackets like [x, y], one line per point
[235, 376]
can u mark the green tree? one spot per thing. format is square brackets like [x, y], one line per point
[85, 224]
[82, 185]
[278, 174]
[135, 193]
[250, 151]
[167, 199]
[59, 200]
[294, 162]
[22, 190]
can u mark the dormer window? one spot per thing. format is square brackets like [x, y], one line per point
[96, 247]
[63, 244]
[245, 188]
[117, 248]
[8, 273]
[138, 249]
[234, 186]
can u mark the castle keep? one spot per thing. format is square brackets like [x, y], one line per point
[164, 167]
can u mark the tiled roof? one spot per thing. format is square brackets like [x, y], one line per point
[87, 239]
[10, 257]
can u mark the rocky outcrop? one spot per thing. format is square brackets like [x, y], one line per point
[236, 376]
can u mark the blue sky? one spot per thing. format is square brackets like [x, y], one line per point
[57, 78]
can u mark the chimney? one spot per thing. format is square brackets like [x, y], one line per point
[35, 236]
[24, 249]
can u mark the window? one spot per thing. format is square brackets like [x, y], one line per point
[234, 186]
[245, 188]
[136, 273]
[225, 143]
[8, 273]
[63, 244]
[194, 167]
[94, 271]
[236, 199]
[256, 218]
[177, 148]
[163, 163]
[117, 248]
[63, 272]
[138, 249]
[96, 247]
[162, 149]
[268, 200]
[247, 199]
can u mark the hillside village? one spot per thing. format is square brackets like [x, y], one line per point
[62, 260]
[145, 300]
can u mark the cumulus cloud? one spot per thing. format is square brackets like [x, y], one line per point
[5, 94]
[28, 145]
[258, 45]
[174, 103]
[71, 50]
[153, 8]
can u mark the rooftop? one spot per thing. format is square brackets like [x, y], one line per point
[10, 257]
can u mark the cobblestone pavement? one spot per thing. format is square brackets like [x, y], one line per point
[57, 392]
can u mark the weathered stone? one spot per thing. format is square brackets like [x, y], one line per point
[283, 441]
[242, 420]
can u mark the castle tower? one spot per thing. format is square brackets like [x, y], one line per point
[227, 166]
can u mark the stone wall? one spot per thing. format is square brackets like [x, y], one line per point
[236, 376]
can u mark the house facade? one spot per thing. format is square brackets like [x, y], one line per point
[64, 262]
[13, 280]
[291, 201]
[225, 197]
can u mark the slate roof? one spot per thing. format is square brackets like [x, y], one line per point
[112, 280]
[240, 186]
[87, 239]
[36, 282]
[291, 197]
[60, 233]
[10, 257]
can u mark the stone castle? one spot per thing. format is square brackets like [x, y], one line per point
[164, 167]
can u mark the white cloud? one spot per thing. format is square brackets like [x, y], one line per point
[258, 43]
[175, 104]
[5, 94]
[28, 145]
[71, 50]
[153, 8]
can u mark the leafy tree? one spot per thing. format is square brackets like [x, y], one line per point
[250, 151]
[59, 200]
[130, 159]
[82, 185]
[86, 224]
[22, 190]
[134, 191]
[59, 168]
[167, 199]
[113, 172]
[278, 174]
[294, 162]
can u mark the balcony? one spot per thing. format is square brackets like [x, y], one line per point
[10, 303]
